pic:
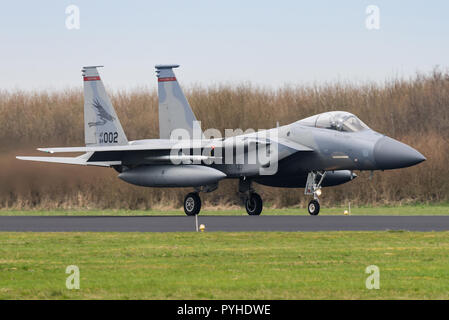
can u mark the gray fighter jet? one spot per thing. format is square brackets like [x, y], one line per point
[320, 151]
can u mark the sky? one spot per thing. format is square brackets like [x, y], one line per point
[268, 43]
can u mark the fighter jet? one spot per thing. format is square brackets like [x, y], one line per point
[319, 151]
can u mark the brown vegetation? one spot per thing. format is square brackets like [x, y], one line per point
[415, 111]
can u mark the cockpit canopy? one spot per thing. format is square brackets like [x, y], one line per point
[335, 120]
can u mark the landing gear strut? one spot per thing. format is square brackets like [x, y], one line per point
[192, 204]
[314, 188]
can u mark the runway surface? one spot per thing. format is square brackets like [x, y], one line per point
[222, 223]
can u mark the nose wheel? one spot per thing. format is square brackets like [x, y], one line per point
[192, 204]
[313, 207]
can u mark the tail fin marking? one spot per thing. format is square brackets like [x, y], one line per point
[101, 124]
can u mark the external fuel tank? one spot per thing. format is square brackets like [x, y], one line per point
[172, 176]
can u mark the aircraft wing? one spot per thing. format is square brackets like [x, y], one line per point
[103, 155]
[107, 156]
[166, 144]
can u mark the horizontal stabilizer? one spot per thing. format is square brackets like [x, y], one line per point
[156, 144]
[81, 160]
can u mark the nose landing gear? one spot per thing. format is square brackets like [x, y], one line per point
[313, 207]
[314, 188]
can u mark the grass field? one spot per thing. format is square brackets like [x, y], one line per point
[440, 209]
[274, 265]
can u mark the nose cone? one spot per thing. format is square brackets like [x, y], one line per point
[392, 154]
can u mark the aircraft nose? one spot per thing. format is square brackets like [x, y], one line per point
[392, 154]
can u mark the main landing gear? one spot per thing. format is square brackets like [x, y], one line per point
[314, 188]
[192, 201]
[192, 204]
[253, 201]
[253, 204]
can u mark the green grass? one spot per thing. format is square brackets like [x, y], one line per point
[273, 265]
[418, 209]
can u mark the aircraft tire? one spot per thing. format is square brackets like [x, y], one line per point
[254, 204]
[192, 204]
[313, 207]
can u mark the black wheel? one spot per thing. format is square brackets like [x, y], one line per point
[254, 204]
[314, 207]
[192, 204]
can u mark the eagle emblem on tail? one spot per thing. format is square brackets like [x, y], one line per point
[101, 113]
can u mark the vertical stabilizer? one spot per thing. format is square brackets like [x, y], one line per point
[174, 109]
[101, 124]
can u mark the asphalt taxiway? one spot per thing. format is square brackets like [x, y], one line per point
[221, 223]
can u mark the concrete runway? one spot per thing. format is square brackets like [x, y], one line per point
[222, 223]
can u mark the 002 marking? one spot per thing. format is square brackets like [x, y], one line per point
[109, 137]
